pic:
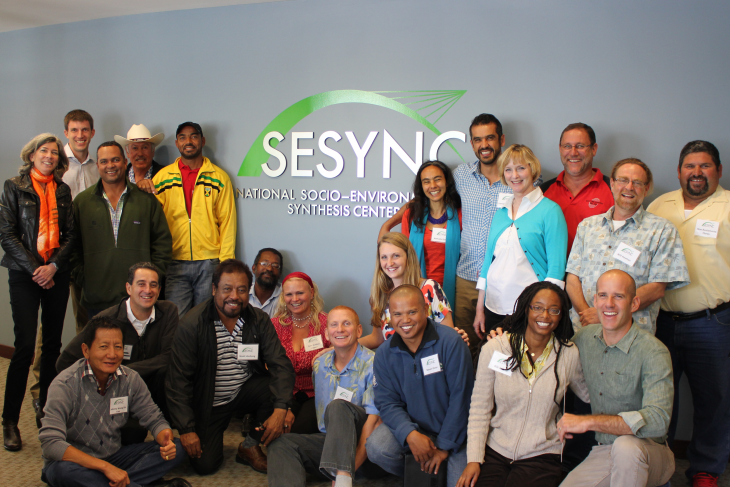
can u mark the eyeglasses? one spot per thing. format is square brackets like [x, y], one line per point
[540, 309]
[269, 264]
[635, 182]
[578, 147]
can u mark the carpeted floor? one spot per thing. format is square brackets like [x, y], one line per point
[23, 468]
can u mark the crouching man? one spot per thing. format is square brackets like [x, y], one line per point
[87, 405]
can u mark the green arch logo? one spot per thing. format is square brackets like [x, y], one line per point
[439, 101]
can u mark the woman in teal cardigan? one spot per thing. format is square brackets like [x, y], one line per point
[528, 241]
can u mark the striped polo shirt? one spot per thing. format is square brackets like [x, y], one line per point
[230, 374]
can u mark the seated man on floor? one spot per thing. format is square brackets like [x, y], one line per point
[148, 326]
[423, 379]
[227, 359]
[87, 405]
[346, 413]
[629, 376]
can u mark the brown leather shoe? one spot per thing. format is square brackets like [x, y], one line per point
[11, 436]
[253, 457]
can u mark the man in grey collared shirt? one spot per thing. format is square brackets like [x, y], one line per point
[629, 377]
[264, 293]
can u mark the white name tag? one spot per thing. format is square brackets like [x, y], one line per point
[431, 365]
[438, 235]
[503, 199]
[313, 343]
[344, 394]
[118, 405]
[499, 363]
[707, 228]
[627, 254]
[248, 352]
[128, 352]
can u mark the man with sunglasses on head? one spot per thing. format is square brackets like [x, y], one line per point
[626, 237]
[266, 288]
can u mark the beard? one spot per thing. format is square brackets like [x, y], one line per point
[496, 155]
[700, 191]
[266, 281]
[194, 155]
[224, 312]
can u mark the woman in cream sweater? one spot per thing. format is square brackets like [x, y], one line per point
[518, 394]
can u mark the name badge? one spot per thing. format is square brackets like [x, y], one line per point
[627, 254]
[707, 228]
[438, 235]
[431, 365]
[499, 363]
[128, 352]
[118, 405]
[248, 352]
[503, 199]
[313, 343]
[344, 394]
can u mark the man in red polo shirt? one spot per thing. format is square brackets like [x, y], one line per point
[581, 190]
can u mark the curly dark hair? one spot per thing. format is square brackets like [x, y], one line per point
[516, 325]
[419, 203]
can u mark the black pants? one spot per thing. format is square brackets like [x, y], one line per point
[253, 398]
[305, 415]
[25, 298]
[133, 432]
[492, 320]
[539, 471]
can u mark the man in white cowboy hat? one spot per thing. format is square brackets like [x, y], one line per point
[139, 146]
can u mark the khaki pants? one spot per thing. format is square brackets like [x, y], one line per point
[81, 320]
[629, 462]
[465, 310]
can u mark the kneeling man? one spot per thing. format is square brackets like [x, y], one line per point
[346, 413]
[88, 403]
[629, 376]
[423, 383]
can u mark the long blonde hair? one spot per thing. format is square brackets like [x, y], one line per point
[317, 306]
[382, 284]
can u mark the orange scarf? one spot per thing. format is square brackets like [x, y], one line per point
[48, 221]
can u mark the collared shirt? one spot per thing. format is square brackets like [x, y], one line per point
[88, 371]
[269, 306]
[138, 325]
[593, 199]
[661, 257]
[708, 256]
[189, 176]
[130, 174]
[356, 378]
[230, 374]
[531, 369]
[632, 379]
[115, 213]
[80, 175]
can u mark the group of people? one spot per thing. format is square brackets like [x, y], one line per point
[513, 321]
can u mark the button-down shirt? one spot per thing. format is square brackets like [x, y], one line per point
[632, 379]
[230, 373]
[80, 175]
[88, 371]
[115, 213]
[139, 325]
[356, 377]
[269, 306]
[661, 258]
[708, 257]
[130, 174]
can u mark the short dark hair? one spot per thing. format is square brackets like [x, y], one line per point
[96, 323]
[580, 126]
[78, 116]
[110, 143]
[700, 146]
[273, 251]
[231, 266]
[194, 125]
[486, 119]
[141, 265]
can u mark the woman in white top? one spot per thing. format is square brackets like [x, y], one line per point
[528, 240]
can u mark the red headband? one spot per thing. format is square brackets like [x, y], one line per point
[299, 275]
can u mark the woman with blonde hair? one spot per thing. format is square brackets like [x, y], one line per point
[528, 241]
[397, 263]
[301, 323]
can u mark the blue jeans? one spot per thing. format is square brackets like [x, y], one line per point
[385, 451]
[142, 462]
[700, 348]
[189, 282]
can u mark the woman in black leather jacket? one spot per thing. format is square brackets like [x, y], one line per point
[37, 234]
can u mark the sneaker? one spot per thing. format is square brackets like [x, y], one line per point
[703, 479]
